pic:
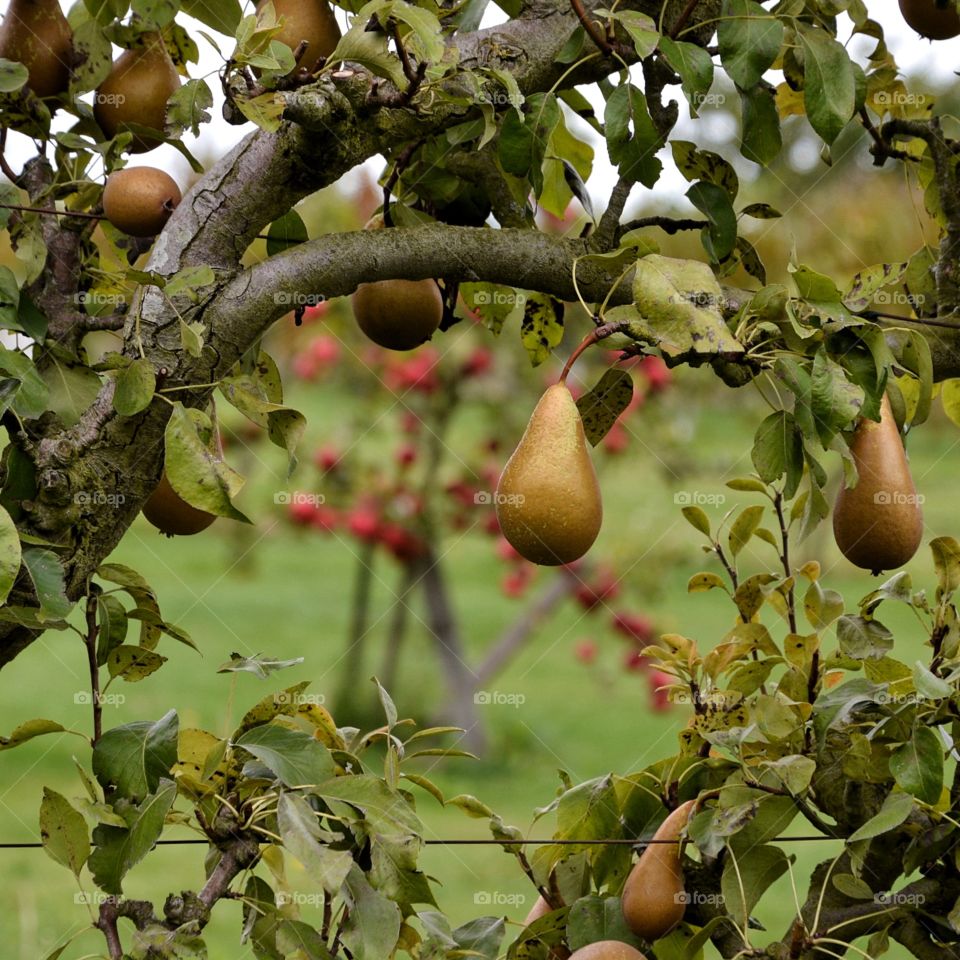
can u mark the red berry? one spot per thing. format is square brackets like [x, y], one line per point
[406, 455]
[327, 458]
[325, 518]
[302, 512]
[635, 661]
[492, 525]
[505, 551]
[304, 367]
[586, 651]
[633, 626]
[603, 587]
[617, 439]
[478, 363]
[660, 698]
[657, 373]
[363, 523]
[515, 582]
[325, 350]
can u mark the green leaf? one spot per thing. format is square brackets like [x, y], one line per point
[695, 67]
[299, 939]
[296, 758]
[204, 481]
[542, 326]
[133, 663]
[221, 15]
[917, 765]
[696, 164]
[258, 665]
[46, 573]
[713, 202]
[29, 730]
[302, 836]
[746, 877]
[33, 396]
[481, 937]
[386, 811]
[13, 75]
[188, 108]
[189, 281]
[895, 810]
[928, 684]
[680, 300]
[594, 918]
[744, 527]
[63, 831]
[829, 91]
[697, 519]
[136, 384]
[946, 562]
[9, 299]
[600, 407]
[117, 850]
[112, 624]
[778, 449]
[373, 926]
[369, 49]
[862, 639]
[760, 136]
[10, 554]
[72, 389]
[632, 138]
[288, 231]
[134, 757]
[749, 38]
[834, 400]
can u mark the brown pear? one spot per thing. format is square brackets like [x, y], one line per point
[539, 909]
[36, 34]
[878, 523]
[933, 19]
[310, 20]
[137, 90]
[548, 499]
[653, 898]
[172, 515]
[139, 200]
[398, 314]
[607, 950]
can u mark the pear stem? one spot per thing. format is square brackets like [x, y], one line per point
[594, 336]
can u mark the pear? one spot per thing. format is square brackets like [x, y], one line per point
[607, 950]
[539, 909]
[310, 20]
[36, 34]
[139, 200]
[878, 523]
[172, 515]
[653, 898]
[933, 19]
[137, 90]
[398, 314]
[548, 499]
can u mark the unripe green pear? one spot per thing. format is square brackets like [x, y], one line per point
[36, 34]
[137, 90]
[548, 499]
[653, 899]
[878, 524]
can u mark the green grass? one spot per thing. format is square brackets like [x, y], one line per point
[273, 591]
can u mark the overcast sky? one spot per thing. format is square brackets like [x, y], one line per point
[912, 53]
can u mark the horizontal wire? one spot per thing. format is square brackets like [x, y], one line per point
[473, 843]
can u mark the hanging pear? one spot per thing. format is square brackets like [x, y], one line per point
[36, 34]
[607, 950]
[310, 20]
[136, 91]
[933, 19]
[653, 899]
[172, 515]
[548, 499]
[139, 200]
[878, 524]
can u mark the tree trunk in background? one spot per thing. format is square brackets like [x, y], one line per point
[460, 678]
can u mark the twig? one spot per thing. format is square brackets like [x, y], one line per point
[91, 643]
[731, 571]
[52, 213]
[594, 336]
[881, 149]
[409, 71]
[415, 77]
[685, 15]
[5, 167]
[669, 225]
[605, 41]
[107, 923]
[605, 236]
[399, 165]
[785, 559]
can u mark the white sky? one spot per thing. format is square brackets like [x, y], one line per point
[913, 54]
